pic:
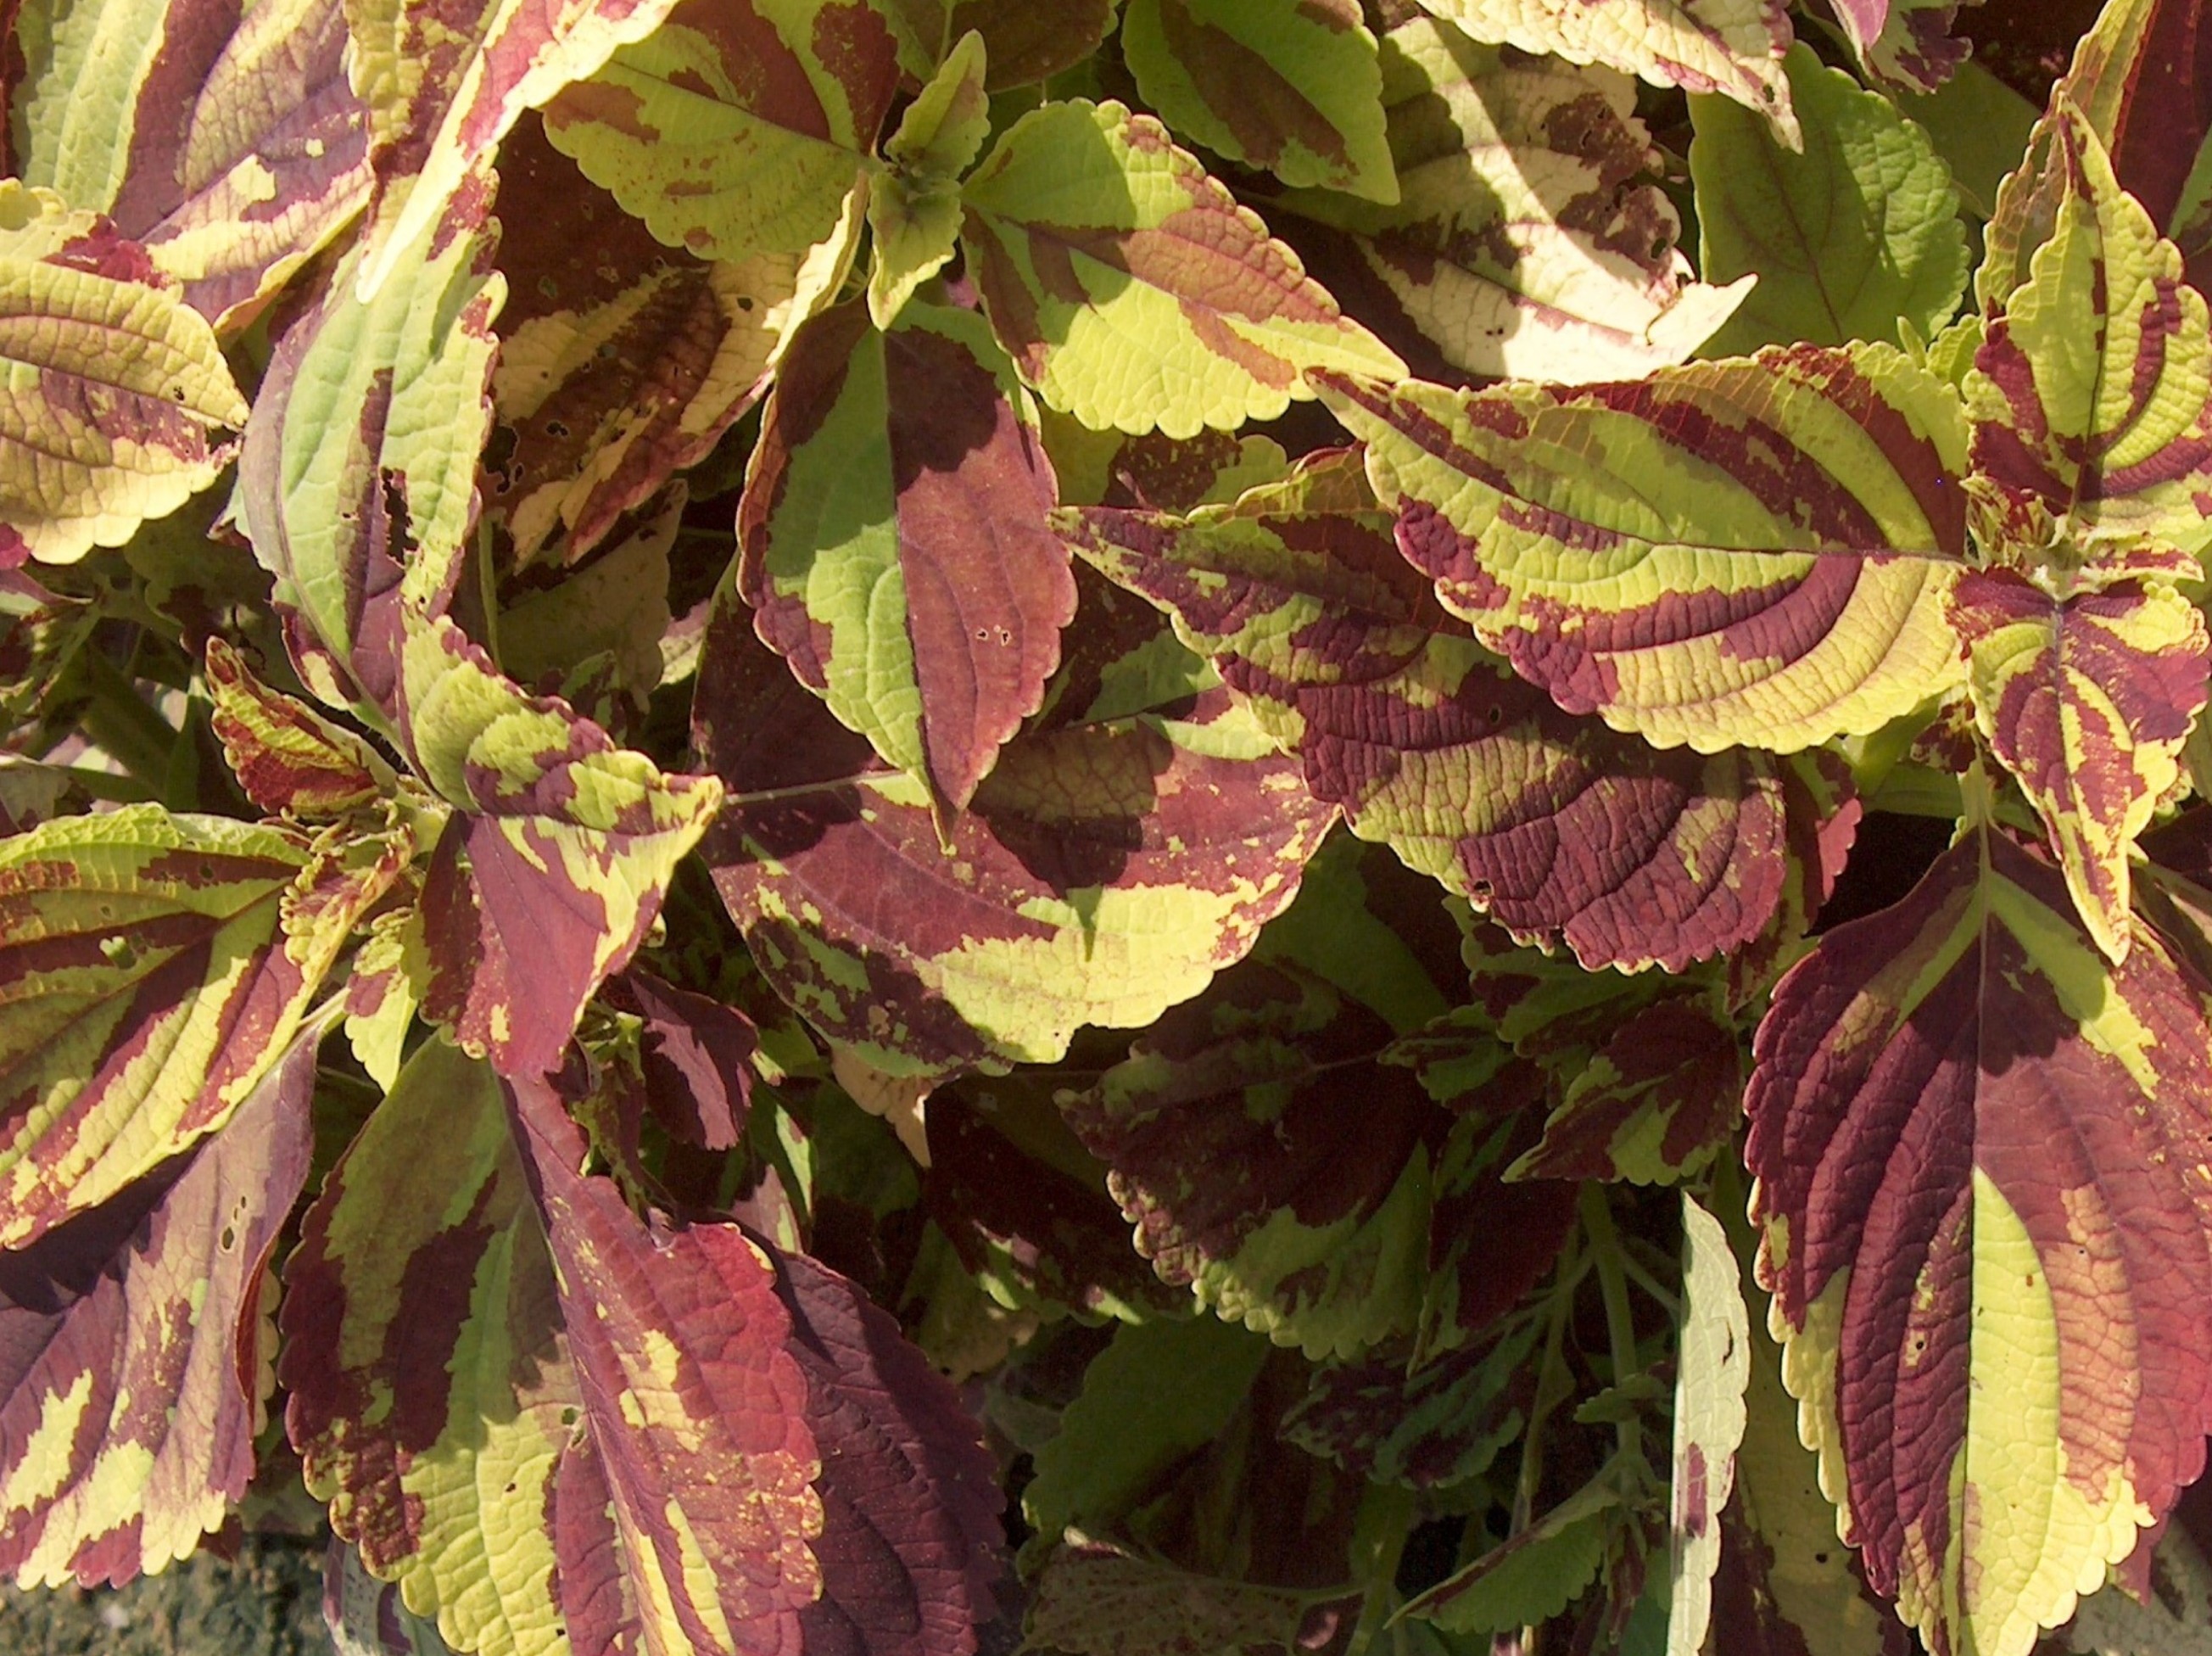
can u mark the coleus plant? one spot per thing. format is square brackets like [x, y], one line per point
[896, 827]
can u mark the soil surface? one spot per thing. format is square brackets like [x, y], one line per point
[266, 1602]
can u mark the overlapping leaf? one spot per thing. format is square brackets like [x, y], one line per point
[232, 147]
[357, 482]
[1111, 864]
[1755, 551]
[1852, 237]
[2086, 697]
[1709, 1421]
[621, 361]
[1730, 46]
[443, 85]
[1528, 238]
[115, 387]
[1294, 88]
[131, 1376]
[1025, 40]
[1556, 826]
[154, 968]
[739, 127]
[433, 1407]
[1980, 1149]
[2091, 393]
[894, 542]
[553, 864]
[1133, 290]
[286, 755]
[1907, 45]
[914, 209]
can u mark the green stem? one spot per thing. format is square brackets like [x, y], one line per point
[1551, 1386]
[123, 726]
[1620, 1315]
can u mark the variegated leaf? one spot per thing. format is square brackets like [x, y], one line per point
[622, 362]
[444, 83]
[431, 1393]
[2091, 395]
[1981, 1157]
[2087, 695]
[739, 127]
[1730, 46]
[553, 864]
[893, 540]
[1529, 240]
[114, 385]
[1133, 290]
[357, 484]
[286, 755]
[1752, 551]
[228, 140]
[1715, 1343]
[1556, 826]
[132, 1379]
[154, 968]
[1292, 87]
[1905, 44]
[1113, 860]
[369, 1618]
[1855, 236]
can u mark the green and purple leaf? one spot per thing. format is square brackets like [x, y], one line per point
[1529, 238]
[152, 969]
[287, 758]
[894, 543]
[1905, 44]
[1753, 551]
[1556, 826]
[2087, 696]
[133, 1366]
[116, 387]
[1133, 290]
[738, 127]
[1111, 864]
[1980, 1160]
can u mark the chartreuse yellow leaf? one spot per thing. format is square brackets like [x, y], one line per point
[1133, 290]
[1752, 551]
[1985, 1177]
[112, 385]
[914, 209]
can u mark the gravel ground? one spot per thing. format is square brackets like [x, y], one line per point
[268, 1602]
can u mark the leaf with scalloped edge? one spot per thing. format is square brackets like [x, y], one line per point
[1133, 290]
[622, 362]
[2090, 396]
[444, 83]
[1730, 46]
[1754, 551]
[1981, 1153]
[430, 1392]
[1905, 44]
[1293, 88]
[893, 541]
[1855, 236]
[553, 864]
[914, 209]
[1109, 865]
[2087, 696]
[152, 968]
[356, 484]
[286, 755]
[232, 147]
[686, 1509]
[1529, 238]
[1555, 826]
[115, 385]
[912, 1543]
[129, 1390]
[738, 127]
[1652, 1104]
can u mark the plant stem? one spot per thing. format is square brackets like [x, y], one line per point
[1612, 1283]
[123, 726]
